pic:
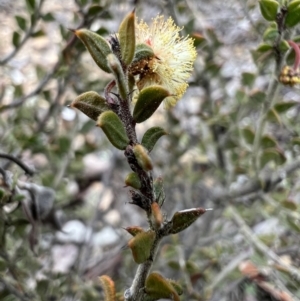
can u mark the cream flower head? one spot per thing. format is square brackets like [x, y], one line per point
[173, 59]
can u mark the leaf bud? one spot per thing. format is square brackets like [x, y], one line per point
[142, 157]
[156, 215]
[133, 180]
[115, 66]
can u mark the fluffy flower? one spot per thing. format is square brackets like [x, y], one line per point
[173, 58]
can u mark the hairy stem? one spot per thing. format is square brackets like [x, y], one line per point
[136, 291]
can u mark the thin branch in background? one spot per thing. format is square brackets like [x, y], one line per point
[265, 182]
[251, 238]
[60, 90]
[26, 168]
[70, 43]
[28, 34]
[229, 268]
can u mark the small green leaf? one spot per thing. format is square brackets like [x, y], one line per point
[48, 17]
[199, 39]
[273, 116]
[293, 224]
[272, 154]
[127, 38]
[16, 38]
[151, 137]
[282, 107]
[38, 33]
[21, 22]
[142, 157]
[91, 104]
[142, 51]
[157, 287]
[269, 9]
[270, 34]
[296, 141]
[133, 180]
[30, 5]
[134, 230]
[42, 287]
[248, 79]
[213, 68]
[257, 97]
[148, 101]
[97, 47]
[113, 128]
[284, 46]
[94, 10]
[267, 142]
[177, 287]
[289, 204]
[241, 96]
[293, 15]
[140, 246]
[174, 265]
[248, 135]
[213, 37]
[264, 48]
[183, 219]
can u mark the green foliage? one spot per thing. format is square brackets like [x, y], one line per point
[127, 38]
[151, 136]
[233, 142]
[113, 128]
[148, 101]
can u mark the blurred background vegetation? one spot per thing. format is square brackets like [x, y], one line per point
[61, 219]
